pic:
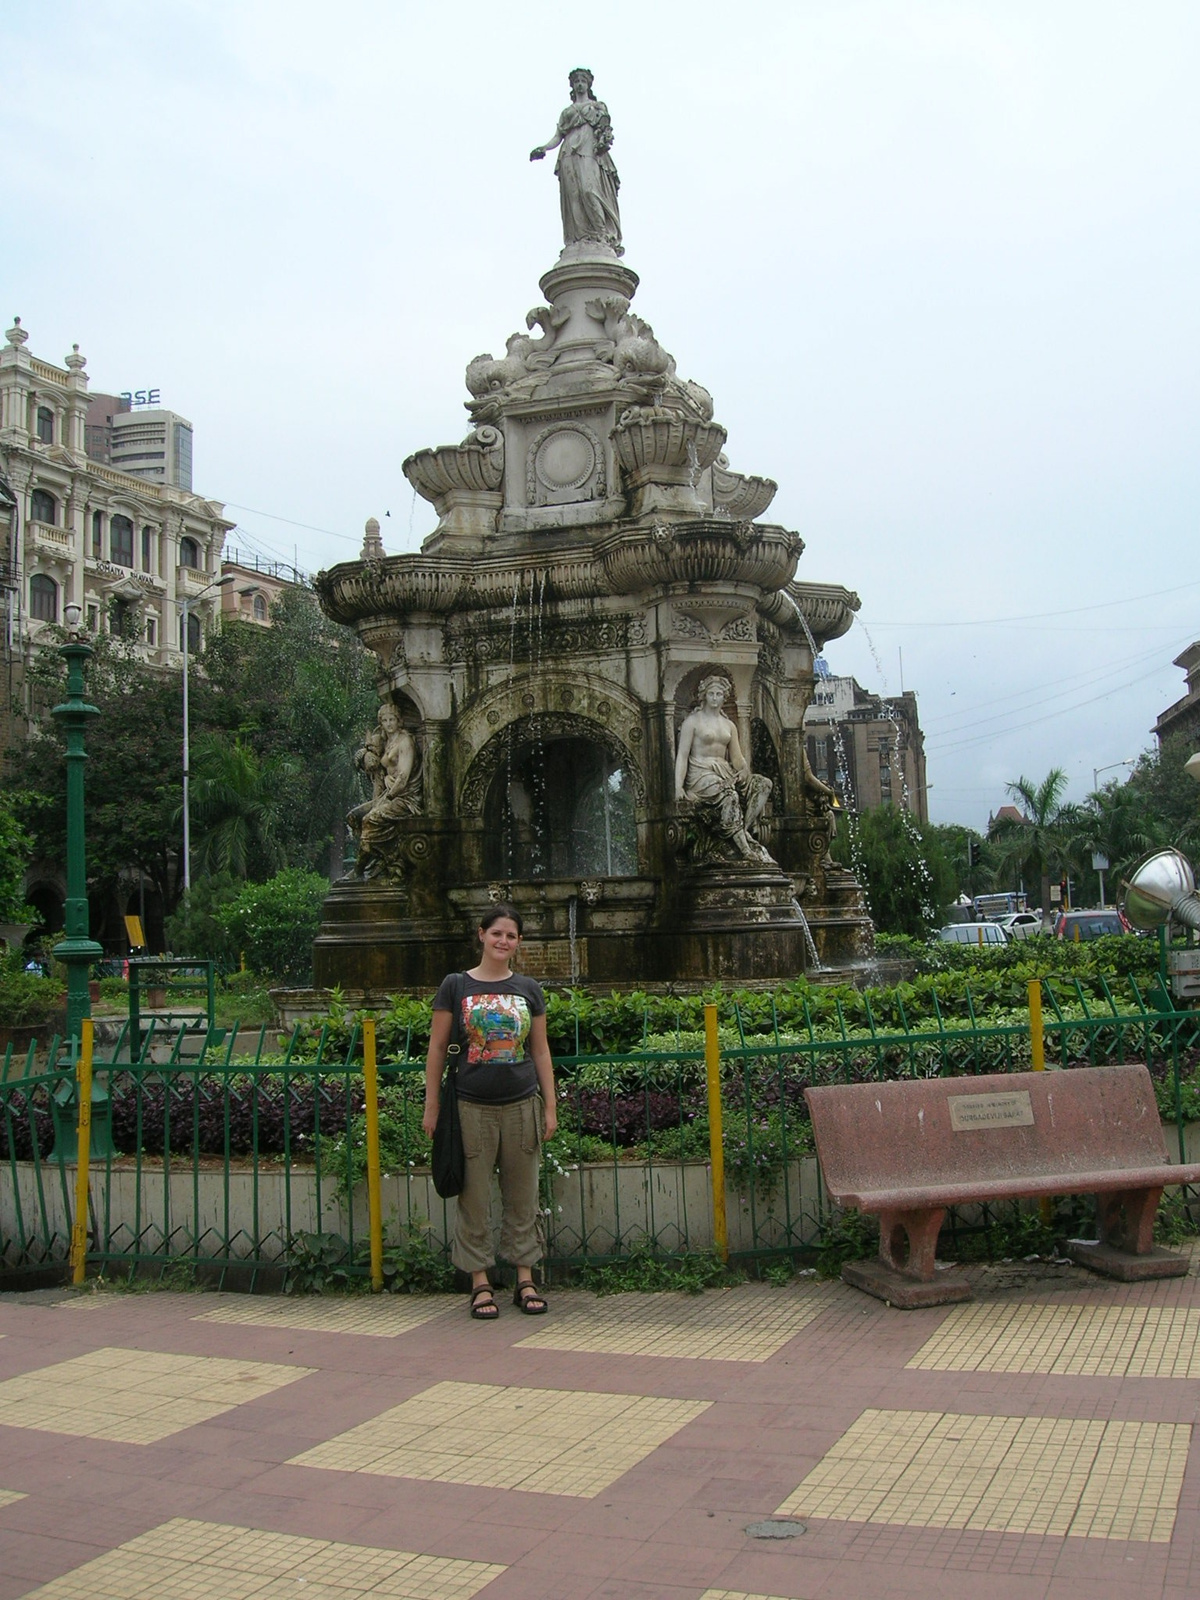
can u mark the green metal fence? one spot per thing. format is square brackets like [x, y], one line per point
[211, 1150]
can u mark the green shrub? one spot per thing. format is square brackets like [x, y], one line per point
[274, 923]
[194, 929]
[26, 1000]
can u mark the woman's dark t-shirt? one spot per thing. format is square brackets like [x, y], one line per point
[497, 1014]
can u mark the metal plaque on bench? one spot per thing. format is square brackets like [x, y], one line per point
[970, 1112]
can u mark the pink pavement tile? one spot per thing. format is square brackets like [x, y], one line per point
[658, 1562]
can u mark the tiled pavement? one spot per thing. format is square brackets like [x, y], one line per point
[1035, 1445]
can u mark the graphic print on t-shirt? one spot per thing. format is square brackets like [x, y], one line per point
[496, 1027]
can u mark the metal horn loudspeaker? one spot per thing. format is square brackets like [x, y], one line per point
[1163, 886]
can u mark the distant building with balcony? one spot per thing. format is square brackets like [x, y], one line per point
[123, 547]
[1184, 716]
[868, 747]
[256, 586]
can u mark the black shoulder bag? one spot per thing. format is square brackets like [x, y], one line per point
[449, 1162]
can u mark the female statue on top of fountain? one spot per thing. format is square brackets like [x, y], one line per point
[712, 773]
[587, 178]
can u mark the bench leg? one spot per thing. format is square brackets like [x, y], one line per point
[1126, 1248]
[904, 1271]
[908, 1241]
[1126, 1220]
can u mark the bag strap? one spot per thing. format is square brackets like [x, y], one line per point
[454, 1048]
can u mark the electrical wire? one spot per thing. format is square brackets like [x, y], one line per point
[1043, 616]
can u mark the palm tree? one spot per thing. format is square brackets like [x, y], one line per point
[1115, 823]
[1040, 842]
[238, 801]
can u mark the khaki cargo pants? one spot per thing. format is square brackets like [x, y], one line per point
[508, 1137]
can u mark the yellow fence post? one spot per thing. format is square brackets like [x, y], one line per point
[716, 1143]
[1037, 1050]
[83, 1151]
[374, 1195]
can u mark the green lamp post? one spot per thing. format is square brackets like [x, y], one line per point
[76, 950]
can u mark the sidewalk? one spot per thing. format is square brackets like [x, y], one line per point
[1036, 1443]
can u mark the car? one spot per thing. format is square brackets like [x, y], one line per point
[977, 933]
[1090, 924]
[1021, 924]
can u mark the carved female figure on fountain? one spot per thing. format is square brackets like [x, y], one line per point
[712, 773]
[587, 178]
[389, 758]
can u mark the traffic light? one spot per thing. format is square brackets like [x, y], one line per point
[974, 852]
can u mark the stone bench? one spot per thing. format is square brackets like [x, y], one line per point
[909, 1150]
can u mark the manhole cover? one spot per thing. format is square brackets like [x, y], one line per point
[775, 1529]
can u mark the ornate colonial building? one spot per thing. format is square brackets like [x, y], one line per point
[869, 747]
[127, 551]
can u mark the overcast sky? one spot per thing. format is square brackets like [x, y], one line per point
[937, 264]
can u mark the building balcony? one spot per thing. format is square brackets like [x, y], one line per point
[192, 581]
[51, 543]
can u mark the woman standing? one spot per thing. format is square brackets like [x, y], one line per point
[506, 1103]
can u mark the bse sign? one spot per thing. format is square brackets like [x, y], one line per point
[142, 397]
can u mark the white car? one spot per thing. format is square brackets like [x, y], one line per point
[1021, 924]
[977, 933]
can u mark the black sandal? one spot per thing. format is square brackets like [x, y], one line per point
[532, 1304]
[484, 1310]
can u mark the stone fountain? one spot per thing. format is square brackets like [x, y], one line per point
[593, 676]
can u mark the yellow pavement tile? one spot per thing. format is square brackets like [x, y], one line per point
[544, 1441]
[9, 1497]
[749, 1323]
[1071, 1340]
[188, 1560]
[737, 1594]
[1047, 1475]
[135, 1396]
[385, 1317]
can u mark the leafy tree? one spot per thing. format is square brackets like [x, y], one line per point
[1042, 842]
[909, 882]
[955, 843]
[1167, 797]
[16, 848]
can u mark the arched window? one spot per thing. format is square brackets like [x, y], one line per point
[194, 640]
[97, 536]
[42, 506]
[43, 598]
[260, 608]
[120, 541]
[189, 553]
[45, 425]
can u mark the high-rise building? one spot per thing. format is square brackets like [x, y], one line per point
[144, 441]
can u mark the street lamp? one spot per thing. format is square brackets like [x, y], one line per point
[76, 950]
[185, 606]
[1129, 761]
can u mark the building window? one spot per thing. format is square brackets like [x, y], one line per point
[45, 425]
[147, 542]
[260, 608]
[93, 619]
[42, 506]
[151, 630]
[193, 632]
[122, 619]
[43, 598]
[97, 536]
[189, 553]
[120, 541]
